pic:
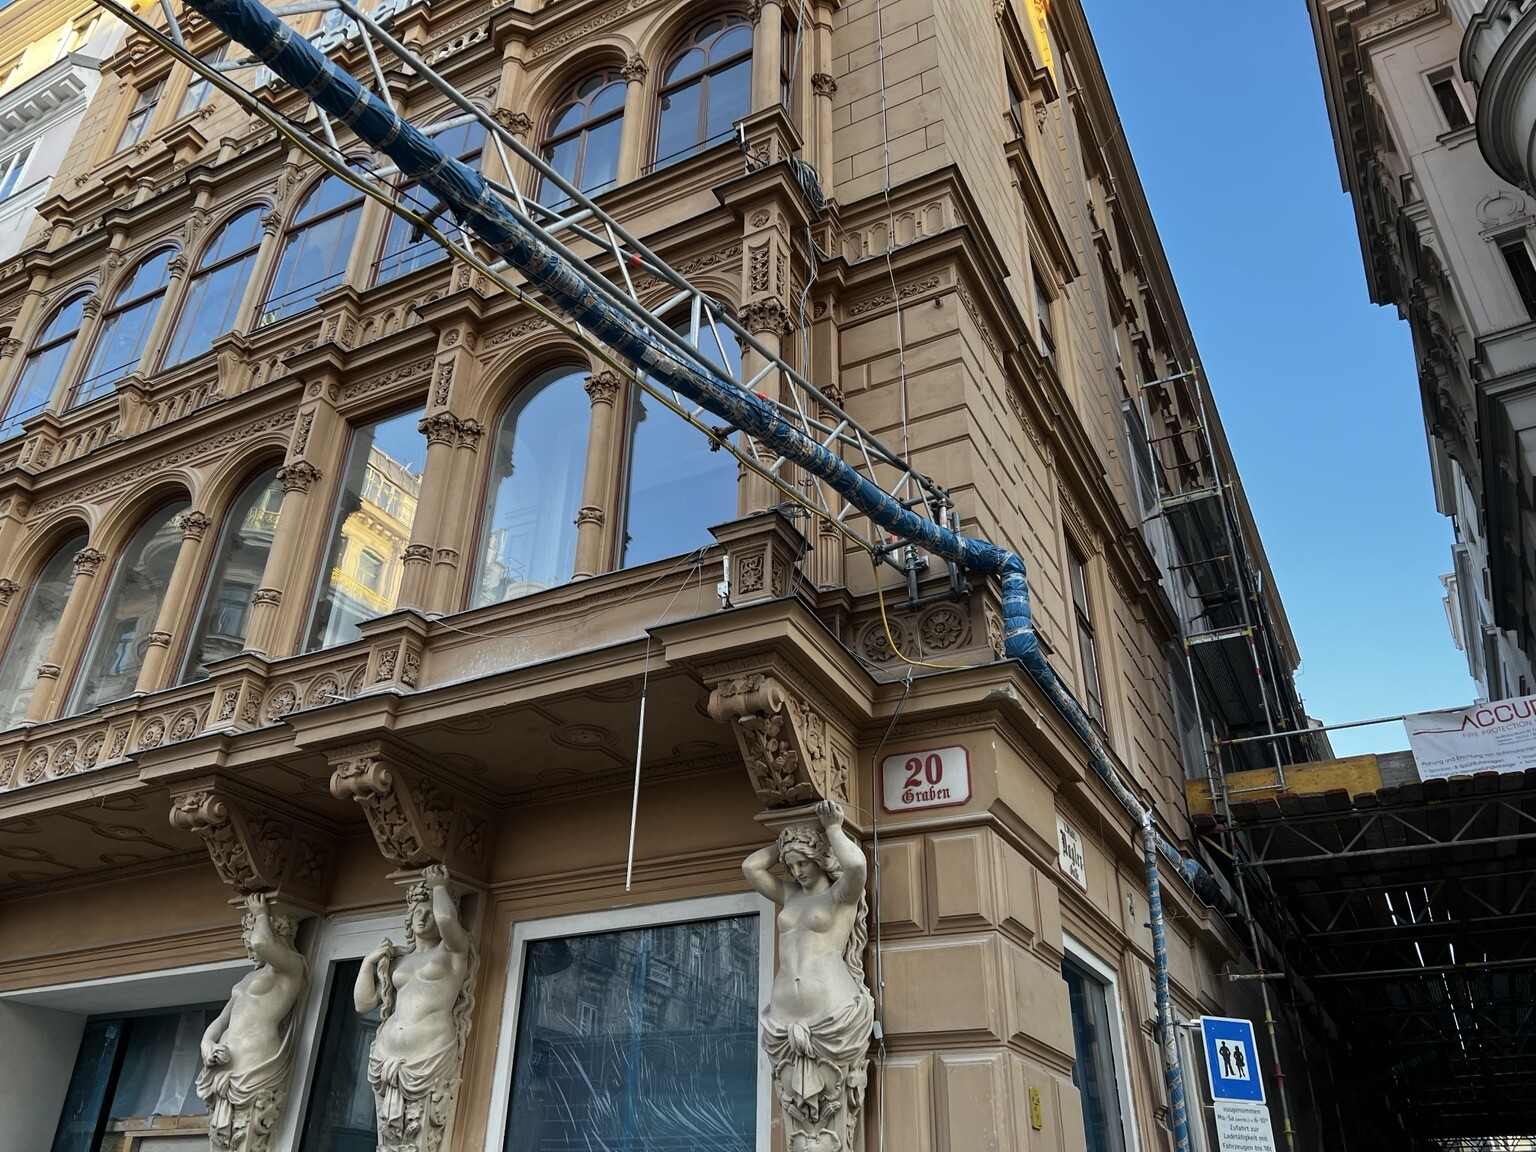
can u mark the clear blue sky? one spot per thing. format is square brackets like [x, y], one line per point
[1222, 104]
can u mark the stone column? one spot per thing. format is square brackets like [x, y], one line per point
[636, 129]
[767, 53]
[825, 88]
[442, 432]
[74, 364]
[295, 520]
[159, 330]
[769, 321]
[462, 480]
[77, 608]
[180, 591]
[593, 554]
[261, 271]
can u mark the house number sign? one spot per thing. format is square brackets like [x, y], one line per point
[926, 778]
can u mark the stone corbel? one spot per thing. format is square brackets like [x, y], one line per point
[794, 756]
[416, 820]
[254, 848]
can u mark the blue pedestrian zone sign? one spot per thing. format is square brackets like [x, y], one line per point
[1232, 1059]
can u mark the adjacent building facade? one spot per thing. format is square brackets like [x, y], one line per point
[321, 559]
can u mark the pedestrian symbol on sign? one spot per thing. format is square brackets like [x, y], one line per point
[1232, 1059]
[1233, 1064]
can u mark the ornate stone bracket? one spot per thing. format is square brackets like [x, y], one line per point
[415, 820]
[792, 755]
[254, 848]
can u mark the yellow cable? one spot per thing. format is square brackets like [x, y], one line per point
[886, 623]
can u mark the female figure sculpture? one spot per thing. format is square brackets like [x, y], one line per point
[248, 1050]
[818, 1022]
[425, 994]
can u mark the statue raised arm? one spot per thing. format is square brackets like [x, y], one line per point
[817, 1026]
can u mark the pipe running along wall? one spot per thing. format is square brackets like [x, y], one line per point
[475, 205]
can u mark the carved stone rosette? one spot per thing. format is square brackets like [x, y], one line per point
[253, 848]
[415, 820]
[784, 740]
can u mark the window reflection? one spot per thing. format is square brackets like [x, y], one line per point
[528, 541]
[116, 653]
[340, 1115]
[705, 89]
[242, 558]
[582, 139]
[1094, 1069]
[374, 514]
[316, 251]
[35, 630]
[677, 487]
[404, 253]
[40, 373]
[215, 291]
[125, 329]
[643, 1039]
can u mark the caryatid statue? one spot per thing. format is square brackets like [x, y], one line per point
[248, 1051]
[817, 1026]
[425, 994]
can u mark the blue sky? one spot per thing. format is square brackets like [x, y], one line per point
[1222, 104]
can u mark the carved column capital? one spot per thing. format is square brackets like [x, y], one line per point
[272, 222]
[10, 346]
[588, 514]
[635, 69]
[602, 386]
[417, 554]
[767, 316]
[194, 524]
[8, 588]
[440, 428]
[273, 596]
[178, 265]
[470, 433]
[87, 560]
[517, 123]
[416, 820]
[92, 307]
[158, 640]
[253, 849]
[298, 476]
[784, 740]
[822, 84]
[48, 671]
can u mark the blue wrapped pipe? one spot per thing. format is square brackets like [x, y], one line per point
[477, 207]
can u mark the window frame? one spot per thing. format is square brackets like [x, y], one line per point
[141, 115]
[1083, 628]
[197, 270]
[294, 229]
[1523, 280]
[196, 80]
[1074, 951]
[10, 390]
[12, 168]
[1447, 76]
[548, 142]
[411, 194]
[120, 304]
[669, 912]
[680, 47]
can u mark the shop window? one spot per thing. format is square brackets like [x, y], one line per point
[677, 488]
[35, 630]
[374, 511]
[1095, 1070]
[200, 89]
[404, 252]
[315, 250]
[125, 328]
[340, 1114]
[11, 169]
[1087, 648]
[705, 88]
[528, 539]
[41, 369]
[131, 608]
[621, 1042]
[214, 293]
[244, 546]
[133, 1080]
[143, 111]
[581, 141]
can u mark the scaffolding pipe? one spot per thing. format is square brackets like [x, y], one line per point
[474, 204]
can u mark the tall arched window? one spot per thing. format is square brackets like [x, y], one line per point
[705, 88]
[214, 293]
[242, 558]
[581, 141]
[676, 488]
[528, 540]
[316, 249]
[370, 529]
[120, 343]
[401, 252]
[35, 629]
[34, 387]
[111, 666]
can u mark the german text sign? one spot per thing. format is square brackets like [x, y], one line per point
[1232, 1059]
[1069, 853]
[931, 778]
[1497, 737]
[1242, 1126]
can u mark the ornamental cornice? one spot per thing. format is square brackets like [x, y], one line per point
[44, 96]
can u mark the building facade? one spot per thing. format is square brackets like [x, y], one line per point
[1446, 241]
[323, 560]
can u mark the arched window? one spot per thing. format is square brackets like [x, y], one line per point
[242, 558]
[35, 629]
[402, 253]
[676, 488]
[581, 141]
[316, 249]
[705, 88]
[120, 343]
[40, 372]
[373, 517]
[128, 615]
[528, 540]
[215, 291]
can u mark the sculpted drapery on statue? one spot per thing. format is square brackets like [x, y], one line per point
[817, 1026]
[247, 1051]
[425, 994]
